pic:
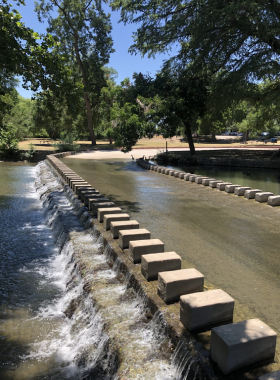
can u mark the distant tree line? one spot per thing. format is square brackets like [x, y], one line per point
[224, 74]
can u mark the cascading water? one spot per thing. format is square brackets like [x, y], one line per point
[88, 323]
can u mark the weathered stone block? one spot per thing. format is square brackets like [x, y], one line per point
[116, 227]
[270, 376]
[93, 198]
[97, 205]
[171, 172]
[250, 194]
[239, 191]
[101, 212]
[176, 174]
[77, 186]
[214, 184]
[83, 193]
[181, 175]
[206, 181]
[129, 235]
[263, 196]
[241, 344]
[199, 180]
[193, 177]
[274, 200]
[222, 185]
[167, 171]
[172, 285]
[206, 309]
[144, 247]
[108, 218]
[154, 263]
[230, 188]
[187, 176]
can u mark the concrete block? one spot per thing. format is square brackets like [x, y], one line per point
[171, 172]
[193, 177]
[241, 344]
[270, 376]
[214, 184]
[108, 218]
[241, 190]
[230, 188]
[77, 186]
[206, 181]
[172, 285]
[116, 227]
[154, 263]
[181, 175]
[74, 179]
[206, 309]
[138, 248]
[187, 176]
[250, 194]
[101, 212]
[263, 196]
[93, 197]
[129, 235]
[153, 167]
[167, 171]
[198, 180]
[222, 185]
[163, 170]
[97, 205]
[274, 200]
[176, 174]
[84, 193]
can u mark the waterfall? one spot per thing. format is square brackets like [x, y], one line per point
[102, 327]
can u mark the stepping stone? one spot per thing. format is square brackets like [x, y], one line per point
[77, 186]
[171, 172]
[181, 175]
[187, 176]
[206, 309]
[274, 200]
[96, 206]
[167, 171]
[93, 198]
[154, 263]
[241, 190]
[116, 227]
[222, 185]
[112, 210]
[193, 177]
[263, 196]
[172, 285]
[199, 180]
[214, 184]
[138, 248]
[270, 376]
[241, 344]
[250, 194]
[129, 235]
[108, 218]
[230, 188]
[176, 174]
[206, 181]
[83, 193]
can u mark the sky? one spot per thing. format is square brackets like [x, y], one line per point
[122, 61]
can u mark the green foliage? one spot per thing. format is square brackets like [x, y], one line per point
[66, 143]
[30, 152]
[8, 141]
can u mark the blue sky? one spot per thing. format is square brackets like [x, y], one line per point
[122, 61]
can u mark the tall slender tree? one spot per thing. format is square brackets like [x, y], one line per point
[84, 32]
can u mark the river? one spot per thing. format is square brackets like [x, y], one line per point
[234, 242]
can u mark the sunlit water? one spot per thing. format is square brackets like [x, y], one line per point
[50, 328]
[234, 242]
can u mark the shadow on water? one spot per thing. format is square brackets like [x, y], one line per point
[127, 206]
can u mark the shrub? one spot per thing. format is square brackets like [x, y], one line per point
[66, 143]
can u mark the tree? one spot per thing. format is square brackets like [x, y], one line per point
[83, 30]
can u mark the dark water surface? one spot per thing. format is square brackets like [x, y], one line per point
[234, 242]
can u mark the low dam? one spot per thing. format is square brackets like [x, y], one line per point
[110, 324]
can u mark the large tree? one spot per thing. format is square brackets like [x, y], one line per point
[84, 32]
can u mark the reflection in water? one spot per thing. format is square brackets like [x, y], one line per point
[234, 242]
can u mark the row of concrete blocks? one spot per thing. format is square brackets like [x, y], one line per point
[232, 346]
[228, 187]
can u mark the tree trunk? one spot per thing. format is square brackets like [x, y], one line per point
[89, 120]
[188, 132]
[213, 136]
[86, 98]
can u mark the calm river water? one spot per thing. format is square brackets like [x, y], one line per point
[234, 242]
